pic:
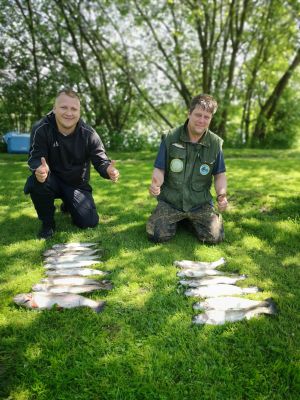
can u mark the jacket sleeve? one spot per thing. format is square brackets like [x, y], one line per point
[98, 155]
[38, 146]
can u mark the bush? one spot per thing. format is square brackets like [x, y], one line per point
[130, 139]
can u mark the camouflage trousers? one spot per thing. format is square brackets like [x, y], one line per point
[205, 222]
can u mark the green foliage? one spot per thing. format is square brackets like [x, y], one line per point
[129, 140]
[284, 127]
[144, 60]
[143, 345]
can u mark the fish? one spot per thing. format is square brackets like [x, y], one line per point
[70, 258]
[229, 303]
[70, 251]
[199, 264]
[219, 290]
[76, 271]
[43, 301]
[212, 280]
[71, 264]
[72, 245]
[192, 273]
[48, 288]
[75, 280]
[219, 317]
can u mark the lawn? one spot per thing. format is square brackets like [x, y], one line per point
[143, 345]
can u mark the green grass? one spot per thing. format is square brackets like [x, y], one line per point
[143, 346]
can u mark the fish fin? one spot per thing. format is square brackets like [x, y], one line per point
[272, 305]
[100, 306]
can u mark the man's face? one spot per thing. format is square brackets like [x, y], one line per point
[67, 113]
[199, 121]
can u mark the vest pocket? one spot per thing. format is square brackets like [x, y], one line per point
[177, 153]
[176, 165]
[202, 175]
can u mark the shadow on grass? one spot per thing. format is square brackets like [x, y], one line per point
[143, 345]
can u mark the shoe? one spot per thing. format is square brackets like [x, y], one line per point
[63, 208]
[46, 232]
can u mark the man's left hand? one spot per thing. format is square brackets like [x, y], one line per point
[113, 173]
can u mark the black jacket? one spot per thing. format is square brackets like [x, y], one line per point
[68, 156]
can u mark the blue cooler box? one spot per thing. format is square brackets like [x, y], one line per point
[18, 143]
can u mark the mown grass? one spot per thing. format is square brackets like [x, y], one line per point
[143, 346]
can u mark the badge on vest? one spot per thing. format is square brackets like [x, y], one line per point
[204, 169]
[176, 165]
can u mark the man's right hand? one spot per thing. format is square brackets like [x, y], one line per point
[154, 188]
[42, 171]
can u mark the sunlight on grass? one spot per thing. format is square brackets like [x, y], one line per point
[254, 243]
[143, 345]
[291, 260]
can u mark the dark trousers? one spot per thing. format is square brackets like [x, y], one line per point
[79, 203]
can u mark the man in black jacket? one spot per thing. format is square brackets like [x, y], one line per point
[62, 147]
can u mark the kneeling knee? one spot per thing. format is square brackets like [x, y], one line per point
[158, 239]
[85, 223]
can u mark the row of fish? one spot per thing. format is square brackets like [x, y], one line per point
[202, 279]
[67, 277]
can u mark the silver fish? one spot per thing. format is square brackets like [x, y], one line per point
[229, 303]
[70, 251]
[212, 280]
[43, 301]
[72, 245]
[45, 287]
[219, 290]
[192, 273]
[71, 264]
[199, 264]
[219, 317]
[69, 280]
[71, 258]
[75, 271]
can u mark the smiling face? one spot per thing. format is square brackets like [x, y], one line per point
[67, 113]
[199, 120]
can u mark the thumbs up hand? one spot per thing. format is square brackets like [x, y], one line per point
[113, 173]
[42, 171]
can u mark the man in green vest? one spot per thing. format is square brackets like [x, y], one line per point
[189, 159]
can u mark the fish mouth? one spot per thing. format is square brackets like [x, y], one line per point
[22, 299]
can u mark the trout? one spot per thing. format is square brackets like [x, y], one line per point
[230, 303]
[212, 280]
[219, 317]
[219, 290]
[76, 271]
[43, 301]
[199, 264]
[77, 289]
[71, 264]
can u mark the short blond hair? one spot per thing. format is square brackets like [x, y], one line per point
[69, 92]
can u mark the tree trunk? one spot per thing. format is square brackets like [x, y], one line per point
[267, 110]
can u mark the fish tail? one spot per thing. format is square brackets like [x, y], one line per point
[100, 306]
[252, 289]
[272, 306]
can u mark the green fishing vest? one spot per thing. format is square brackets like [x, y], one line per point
[188, 175]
